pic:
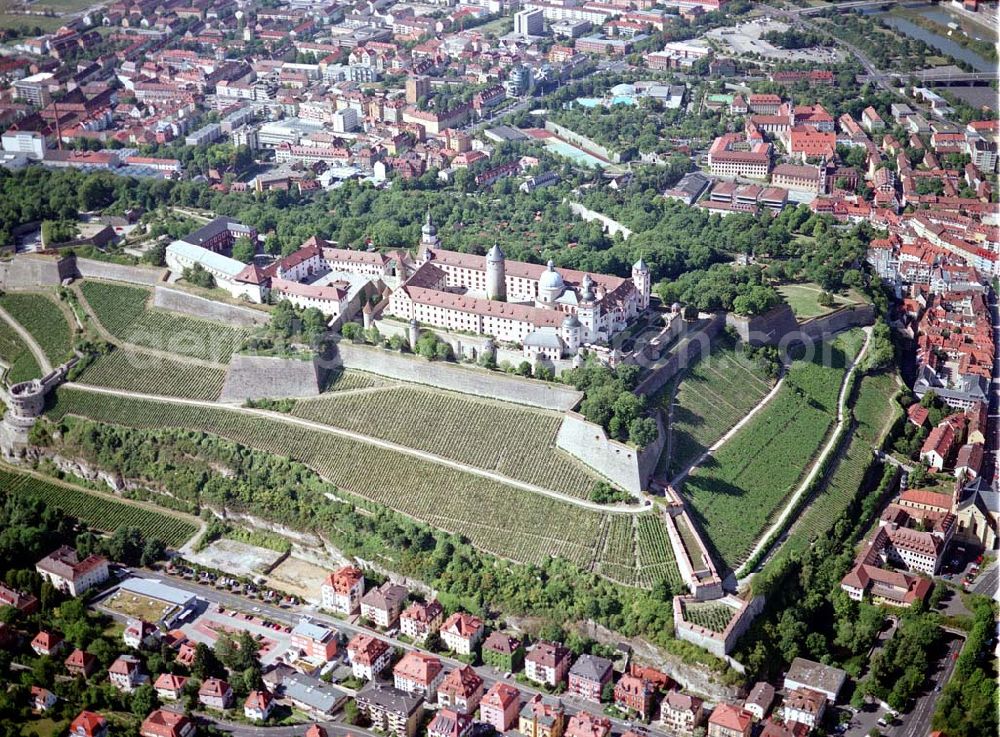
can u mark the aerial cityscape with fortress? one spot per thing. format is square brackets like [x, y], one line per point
[537, 368]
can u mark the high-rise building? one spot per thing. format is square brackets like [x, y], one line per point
[529, 22]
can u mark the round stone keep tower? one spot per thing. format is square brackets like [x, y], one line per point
[496, 274]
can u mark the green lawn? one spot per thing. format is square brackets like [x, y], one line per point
[803, 299]
[46, 23]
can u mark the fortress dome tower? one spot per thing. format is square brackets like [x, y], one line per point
[496, 274]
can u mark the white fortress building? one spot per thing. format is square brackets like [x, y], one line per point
[552, 313]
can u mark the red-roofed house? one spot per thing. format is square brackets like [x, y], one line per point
[88, 724]
[343, 589]
[47, 643]
[585, 724]
[729, 721]
[449, 723]
[938, 446]
[634, 695]
[125, 673]
[169, 687]
[215, 694]
[917, 414]
[500, 706]
[420, 620]
[166, 723]
[368, 656]
[461, 690]
[80, 663]
[258, 705]
[462, 632]
[418, 673]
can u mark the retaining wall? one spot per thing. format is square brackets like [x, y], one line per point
[35, 270]
[771, 328]
[611, 226]
[191, 304]
[118, 272]
[268, 377]
[624, 465]
[466, 379]
[722, 643]
[684, 355]
[853, 316]
[583, 142]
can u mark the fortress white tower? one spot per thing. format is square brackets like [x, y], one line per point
[496, 274]
[428, 233]
[640, 277]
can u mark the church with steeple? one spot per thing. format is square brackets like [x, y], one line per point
[550, 312]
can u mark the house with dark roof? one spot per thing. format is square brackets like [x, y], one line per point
[503, 651]
[588, 676]
[389, 709]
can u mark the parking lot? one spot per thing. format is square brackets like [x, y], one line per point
[215, 622]
[745, 39]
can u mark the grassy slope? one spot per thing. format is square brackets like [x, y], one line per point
[498, 518]
[42, 317]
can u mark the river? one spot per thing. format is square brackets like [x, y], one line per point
[937, 41]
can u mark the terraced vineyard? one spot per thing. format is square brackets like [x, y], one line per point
[125, 313]
[501, 519]
[20, 360]
[98, 511]
[41, 316]
[713, 396]
[874, 402]
[618, 553]
[499, 436]
[738, 491]
[345, 380]
[656, 556]
[151, 374]
[875, 406]
[714, 617]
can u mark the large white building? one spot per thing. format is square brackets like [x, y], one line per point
[67, 573]
[240, 280]
[551, 312]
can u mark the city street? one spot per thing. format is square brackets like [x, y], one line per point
[291, 617]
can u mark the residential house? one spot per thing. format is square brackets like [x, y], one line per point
[88, 724]
[383, 605]
[24, 603]
[805, 706]
[418, 674]
[449, 723]
[368, 655]
[314, 641]
[547, 663]
[461, 690]
[585, 724]
[503, 652]
[215, 694]
[169, 687]
[462, 632]
[823, 678]
[681, 713]
[420, 620]
[499, 707]
[634, 695]
[42, 699]
[258, 705]
[80, 663]
[47, 643]
[727, 720]
[759, 701]
[588, 676]
[139, 634]
[125, 673]
[166, 723]
[67, 573]
[938, 446]
[342, 590]
[311, 695]
[389, 709]
[540, 718]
